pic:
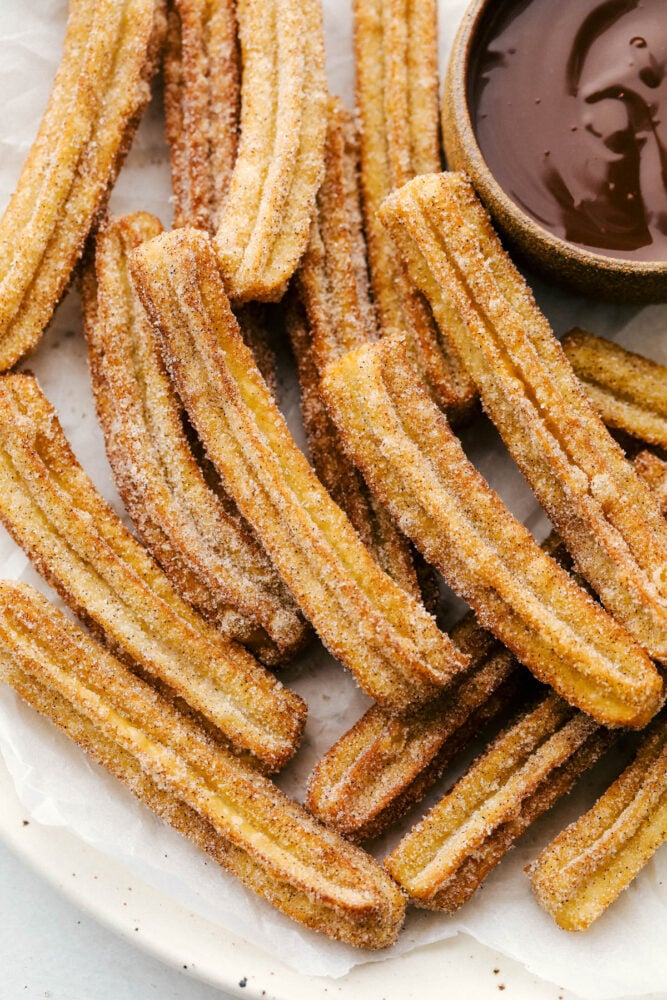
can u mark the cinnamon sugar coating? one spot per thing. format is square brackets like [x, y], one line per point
[627, 390]
[416, 466]
[387, 639]
[53, 511]
[606, 516]
[524, 771]
[395, 44]
[110, 53]
[201, 99]
[330, 312]
[580, 873]
[206, 550]
[168, 761]
[265, 220]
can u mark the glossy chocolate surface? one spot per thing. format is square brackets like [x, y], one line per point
[569, 105]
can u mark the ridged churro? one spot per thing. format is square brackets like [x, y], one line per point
[53, 511]
[101, 88]
[397, 100]
[265, 220]
[204, 548]
[168, 761]
[589, 864]
[201, 98]
[653, 471]
[415, 465]
[628, 391]
[330, 313]
[386, 763]
[342, 480]
[385, 637]
[524, 771]
[606, 516]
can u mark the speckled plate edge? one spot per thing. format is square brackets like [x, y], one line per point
[164, 929]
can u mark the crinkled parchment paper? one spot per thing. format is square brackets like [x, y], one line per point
[624, 953]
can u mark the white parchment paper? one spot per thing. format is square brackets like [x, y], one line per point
[624, 953]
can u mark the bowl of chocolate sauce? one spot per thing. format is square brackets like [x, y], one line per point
[557, 109]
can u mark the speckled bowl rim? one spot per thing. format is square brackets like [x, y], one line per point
[461, 145]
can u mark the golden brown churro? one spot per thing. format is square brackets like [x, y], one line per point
[526, 769]
[80, 546]
[653, 471]
[397, 98]
[264, 224]
[388, 640]
[201, 98]
[606, 516]
[414, 464]
[102, 85]
[589, 864]
[628, 391]
[238, 816]
[330, 313]
[206, 551]
[386, 763]
[344, 483]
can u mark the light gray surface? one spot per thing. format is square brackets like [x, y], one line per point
[50, 949]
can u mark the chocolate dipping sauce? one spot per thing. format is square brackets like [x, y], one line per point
[569, 105]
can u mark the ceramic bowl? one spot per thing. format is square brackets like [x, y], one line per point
[564, 262]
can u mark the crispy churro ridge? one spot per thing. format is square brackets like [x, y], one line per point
[580, 873]
[414, 464]
[329, 313]
[524, 771]
[53, 511]
[102, 85]
[201, 73]
[386, 762]
[603, 512]
[653, 471]
[208, 553]
[384, 636]
[168, 761]
[265, 221]
[395, 46]
[628, 391]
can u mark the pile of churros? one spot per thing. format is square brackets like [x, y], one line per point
[296, 217]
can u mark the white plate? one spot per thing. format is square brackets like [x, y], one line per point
[461, 966]
[161, 927]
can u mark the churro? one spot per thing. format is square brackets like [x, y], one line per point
[628, 391]
[265, 220]
[415, 465]
[605, 515]
[110, 54]
[386, 763]
[329, 314]
[653, 471]
[589, 864]
[385, 637]
[237, 815]
[201, 99]
[53, 511]
[524, 771]
[338, 474]
[204, 548]
[397, 99]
